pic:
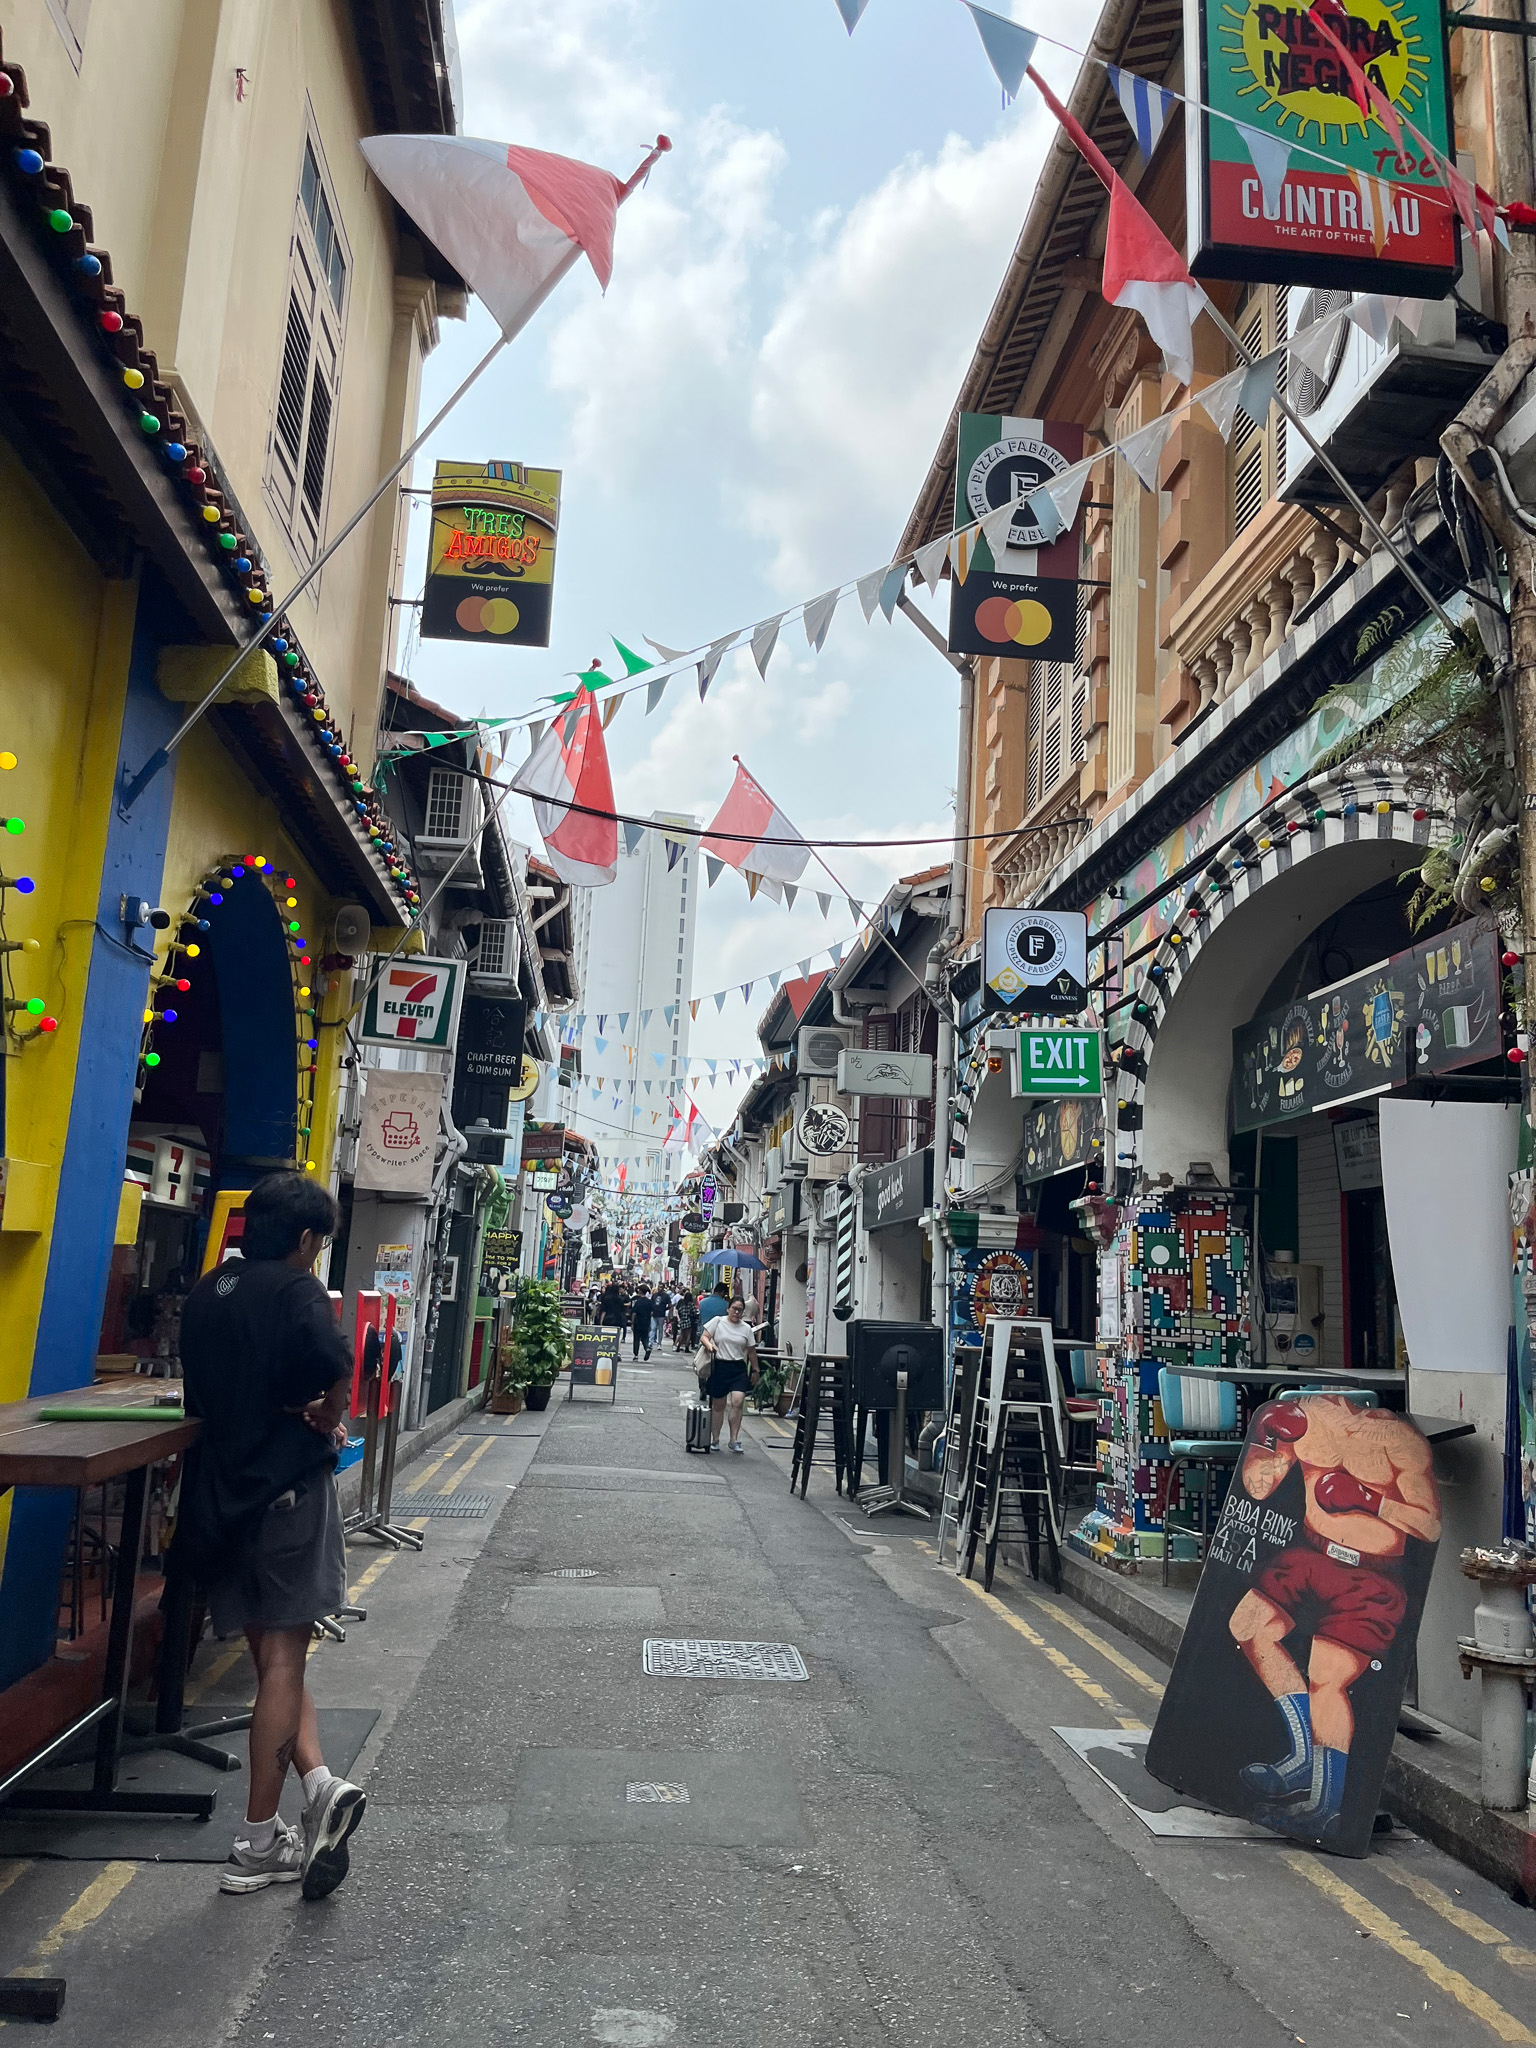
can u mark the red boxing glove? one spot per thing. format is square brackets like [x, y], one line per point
[1340, 1493]
[1278, 1422]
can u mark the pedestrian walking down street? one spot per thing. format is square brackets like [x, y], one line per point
[732, 1342]
[640, 1311]
[269, 1373]
[612, 1308]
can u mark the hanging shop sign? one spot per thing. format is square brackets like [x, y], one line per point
[491, 557]
[1382, 221]
[707, 1196]
[490, 1043]
[529, 1074]
[414, 1003]
[542, 1141]
[398, 1137]
[1035, 961]
[1424, 1012]
[1060, 1063]
[907, 1074]
[547, 1182]
[1022, 600]
[898, 1193]
[501, 1254]
[783, 1210]
[824, 1130]
[1061, 1135]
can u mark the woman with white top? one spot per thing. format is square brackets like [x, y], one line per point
[731, 1342]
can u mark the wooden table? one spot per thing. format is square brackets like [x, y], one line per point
[79, 1454]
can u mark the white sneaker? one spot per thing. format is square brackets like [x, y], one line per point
[327, 1824]
[252, 1870]
[738, 1447]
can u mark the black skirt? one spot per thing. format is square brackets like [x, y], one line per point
[730, 1376]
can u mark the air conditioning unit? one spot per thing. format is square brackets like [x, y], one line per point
[1370, 403]
[496, 960]
[773, 1168]
[450, 832]
[818, 1047]
[792, 1159]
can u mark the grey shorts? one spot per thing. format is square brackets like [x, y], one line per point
[295, 1569]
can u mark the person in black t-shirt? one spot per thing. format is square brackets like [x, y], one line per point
[268, 1371]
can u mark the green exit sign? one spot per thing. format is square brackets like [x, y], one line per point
[1060, 1063]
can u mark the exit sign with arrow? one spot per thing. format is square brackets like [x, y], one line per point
[1060, 1063]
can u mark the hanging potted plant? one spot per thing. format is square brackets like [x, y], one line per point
[540, 1340]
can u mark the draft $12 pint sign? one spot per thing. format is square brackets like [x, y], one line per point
[1372, 219]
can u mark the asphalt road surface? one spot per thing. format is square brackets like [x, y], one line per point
[561, 1847]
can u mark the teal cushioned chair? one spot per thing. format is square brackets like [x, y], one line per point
[1195, 1412]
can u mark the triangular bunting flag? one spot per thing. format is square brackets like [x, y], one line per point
[930, 559]
[891, 587]
[765, 637]
[837, 954]
[645, 1018]
[1009, 48]
[720, 995]
[633, 834]
[869, 593]
[714, 868]
[536, 729]
[669, 1013]
[674, 848]
[693, 1008]
[790, 893]
[818, 618]
[623, 1020]
[804, 967]
[855, 906]
[1313, 346]
[1145, 105]
[746, 991]
[634, 664]
[1270, 158]
[773, 983]
[1369, 314]
[654, 692]
[1045, 515]
[1376, 215]
[1143, 449]
[851, 10]
[667, 653]
[710, 663]
[962, 546]
[1220, 401]
[824, 901]
[1258, 387]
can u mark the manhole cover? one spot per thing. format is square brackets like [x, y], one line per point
[695, 1657]
[572, 1571]
[461, 1506]
[656, 1795]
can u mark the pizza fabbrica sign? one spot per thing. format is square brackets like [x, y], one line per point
[1322, 195]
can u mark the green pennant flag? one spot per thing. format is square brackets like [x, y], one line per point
[633, 663]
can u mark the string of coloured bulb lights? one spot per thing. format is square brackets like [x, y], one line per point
[208, 899]
[40, 1023]
[214, 508]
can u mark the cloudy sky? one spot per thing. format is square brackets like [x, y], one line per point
[746, 417]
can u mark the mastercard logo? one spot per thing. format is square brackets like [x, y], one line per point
[1024, 622]
[487, 615]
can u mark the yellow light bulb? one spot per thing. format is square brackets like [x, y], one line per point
[7, 759]
[194, 952]
[149, 1016]
[304, 992]
[291, 902]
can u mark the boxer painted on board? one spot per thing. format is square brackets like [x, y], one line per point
[1369, 1488]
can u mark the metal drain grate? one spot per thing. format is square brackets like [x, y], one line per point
[571, 1571]
[657, 1795]
[695, 1657]
[461, 1506]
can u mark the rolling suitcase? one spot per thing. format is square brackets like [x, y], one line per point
[696, 1428]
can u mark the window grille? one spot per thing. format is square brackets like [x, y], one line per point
[1258, 446]
[299, 456]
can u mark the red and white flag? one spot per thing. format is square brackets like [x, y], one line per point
[763, 843]
[1142, 268]
[511, 221]
[583, 844]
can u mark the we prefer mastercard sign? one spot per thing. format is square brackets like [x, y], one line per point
[1020, 599]
[414, 1002]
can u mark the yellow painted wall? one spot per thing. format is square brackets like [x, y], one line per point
[216, 813]
[194, 191]
[63, 678]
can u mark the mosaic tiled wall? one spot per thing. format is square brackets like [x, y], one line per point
[1176, 1282]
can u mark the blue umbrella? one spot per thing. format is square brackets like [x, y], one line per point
[731, 1257]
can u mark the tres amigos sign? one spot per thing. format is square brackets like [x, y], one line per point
[1369, 219]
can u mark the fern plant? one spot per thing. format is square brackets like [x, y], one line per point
[540, 1334]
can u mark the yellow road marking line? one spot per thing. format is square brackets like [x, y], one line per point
[1106, 1650]
[468, 1465]
[436, 1465]
[1401, 1942]
[1063, 1663]
[1471, 1923]
[9, 1872]
[91, 1904]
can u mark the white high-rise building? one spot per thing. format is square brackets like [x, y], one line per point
[633, 946]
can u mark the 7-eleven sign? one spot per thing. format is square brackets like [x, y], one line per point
[414, 1002]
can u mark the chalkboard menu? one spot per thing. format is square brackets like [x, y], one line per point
[500, 1256]
[1059, 1134]
[1426, 1011]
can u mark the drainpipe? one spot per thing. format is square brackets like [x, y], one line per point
[1503, 1648]
[440, 1207]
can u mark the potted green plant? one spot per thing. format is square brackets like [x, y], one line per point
[540, 1340]
[770, 1391]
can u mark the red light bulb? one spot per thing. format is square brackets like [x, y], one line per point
[48, 1024]
[183, 986]
[1510, 959]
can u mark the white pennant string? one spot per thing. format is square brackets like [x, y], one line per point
[765, 637]
[818, 618]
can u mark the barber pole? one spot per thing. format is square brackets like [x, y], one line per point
[847, 1220]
